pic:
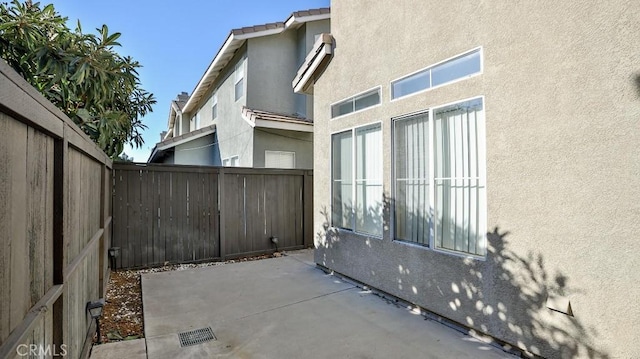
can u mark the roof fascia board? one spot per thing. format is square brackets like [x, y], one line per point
[185, 140]
[233, 39]
[225, 47]
[296, 20]
[300, 127]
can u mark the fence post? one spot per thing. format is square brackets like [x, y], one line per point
[307, 201]
[221, 212]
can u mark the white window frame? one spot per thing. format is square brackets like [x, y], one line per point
[481, 145]
[239, 76]
[479, 49]
[196, 121]
[228, 162]
[353, 98]
[354, 175]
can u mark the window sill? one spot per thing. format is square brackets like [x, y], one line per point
[351, 231]
[440, 250]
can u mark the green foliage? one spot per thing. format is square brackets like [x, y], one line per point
[80, 73]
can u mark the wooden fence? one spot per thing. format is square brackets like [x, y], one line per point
[179, 214]
[55, 225]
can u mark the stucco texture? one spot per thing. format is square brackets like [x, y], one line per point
[562, 104]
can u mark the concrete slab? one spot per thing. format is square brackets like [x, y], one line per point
[287, 308]
[134, 349]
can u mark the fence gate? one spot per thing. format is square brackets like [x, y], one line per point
[179, 214]
[165, 214]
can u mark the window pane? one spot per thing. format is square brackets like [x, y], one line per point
[342, 108]
[369, 180]
[459, 184]
[342, 203]
[455, 69]
[412, 209]
[239, 89]
[357, 103]
[214, 111]
[411, 84]
[367, 100]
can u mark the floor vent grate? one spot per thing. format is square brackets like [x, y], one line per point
[197, 336]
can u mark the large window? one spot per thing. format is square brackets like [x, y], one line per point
[440, 198]
[459, 67]
[357, 180]
[356, 103]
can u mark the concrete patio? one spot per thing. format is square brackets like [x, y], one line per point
[287, 308]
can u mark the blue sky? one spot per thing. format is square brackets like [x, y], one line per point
[174, 41]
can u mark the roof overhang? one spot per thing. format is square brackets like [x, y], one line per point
[237, 38]
[166, 145]
[314, 64]
[264, 119]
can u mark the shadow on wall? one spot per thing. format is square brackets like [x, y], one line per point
[527, 284]
[505, 296]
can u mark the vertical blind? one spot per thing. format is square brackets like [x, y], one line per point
[412, 215]
[454, 218]
[459, 179]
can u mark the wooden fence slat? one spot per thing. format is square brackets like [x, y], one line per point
[5, 228]
[19, 283]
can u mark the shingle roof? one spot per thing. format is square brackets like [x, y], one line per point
[257, 28]
[319, 11]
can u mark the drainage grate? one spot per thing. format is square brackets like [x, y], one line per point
[197, 336]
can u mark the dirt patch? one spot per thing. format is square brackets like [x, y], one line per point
[122, 317]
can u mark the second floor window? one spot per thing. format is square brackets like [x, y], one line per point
[214, 107]
[239, 80]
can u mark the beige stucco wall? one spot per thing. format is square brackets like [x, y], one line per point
[562, 105]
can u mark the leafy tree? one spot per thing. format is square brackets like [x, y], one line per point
[80, 73]
[123, 158]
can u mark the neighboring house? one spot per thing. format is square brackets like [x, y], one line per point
[482, 161]
[243, 111]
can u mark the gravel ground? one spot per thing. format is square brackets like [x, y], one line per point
[122, 317]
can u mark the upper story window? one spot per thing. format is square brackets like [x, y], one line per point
[459, 67]
[356, 103]
[214, 107]
[196, 121]
[239, 80]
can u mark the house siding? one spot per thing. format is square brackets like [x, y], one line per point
[197, 152]
[561, 103]
[234, 135]
[268, 139]
[271, 67]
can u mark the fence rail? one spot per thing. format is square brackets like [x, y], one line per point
[54, 224]
[179, 214]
